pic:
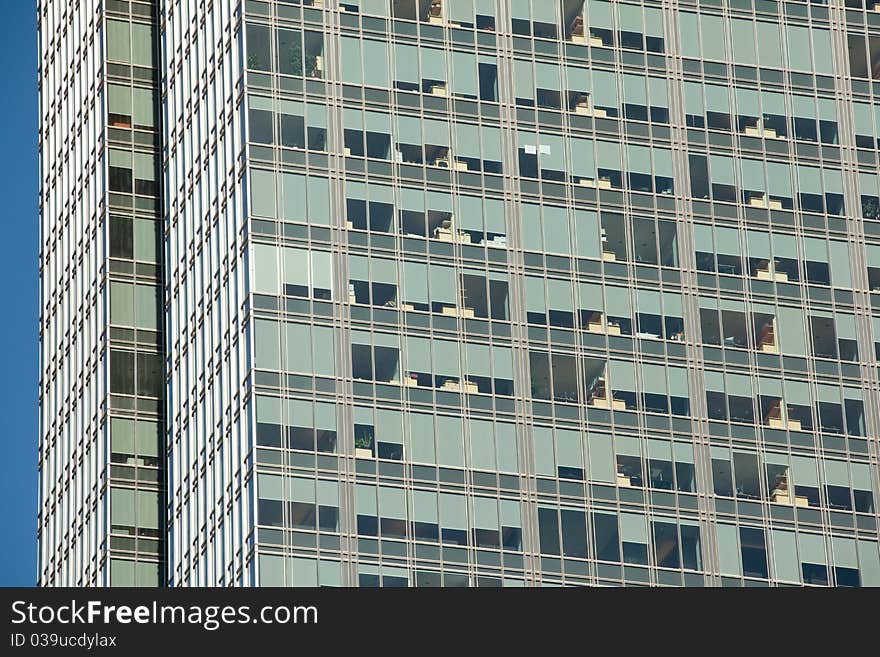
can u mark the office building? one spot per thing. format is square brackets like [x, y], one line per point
[461, 293]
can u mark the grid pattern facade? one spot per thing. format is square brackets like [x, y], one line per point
[101, 453]
[585, 288]
[477, 293]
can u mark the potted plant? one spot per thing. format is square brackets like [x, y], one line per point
[363, 441]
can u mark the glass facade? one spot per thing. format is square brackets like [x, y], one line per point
[102, 458]
[505, 292]
[583, 287]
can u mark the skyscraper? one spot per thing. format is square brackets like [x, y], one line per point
[460, 293]
[101, 277]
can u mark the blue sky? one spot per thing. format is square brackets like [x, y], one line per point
[19, 265]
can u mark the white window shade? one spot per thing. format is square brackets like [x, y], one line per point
[804, 471]
[627, 446]
[769, 44]
[460, 11]
[728, 549]
[535, 297]
[633, 528]
[743, 41]
[433, 64]
[840, 264]
[630, 18]
[524, 80]
[384, 270]
[815, 249]
[868, 186]
[797, 392]
[443, 287]
[601, 458]
[557, 238]
[604, 89]
[577, 78]
[148, 509]
[453, 511]
[392, 503]
[409, 131]
[296, 266]
[639, 159]
[583, 160]
[119, 99]
[377, 122]
[446, 358]
[779, 179]
[805, 107]
[654, 382]
[812, 548]
[486, 513]
[608, 155]
[544, 453]
[464, 74]
[270, 487]
[833, 181]
[467, 140]
[662, 162]
[491, 143]
[617, 301]
[406, 63]
[599, 14]
[722, 169]
[141, 44]
[436, 132]
[358, 267]
[418, 354]
[299, 413]
[389, 426]
[717, 99]
[634, 90]
[439, 201]
[785, 559]
[325, 416]
[790, 329]
[548, 76]
[587, 233]
[469, 215]
[785, 246]
[122, 507]
[747, 102]
[502, 362]
[478, 358]
[559, 294]
[773, 103]
[623, 375]
[693, 98]
[569, 448]
[266, 279]
[365, 497]
[836, 473]
[753, 175]
[844, 551]
[823, 61]
[653, 22]
[658, 91]
[293, 192]
[727, 241]
[809, 179]
[672, 306]
[425, 506]
[648, 301]
[351, 60]
[683, 452]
